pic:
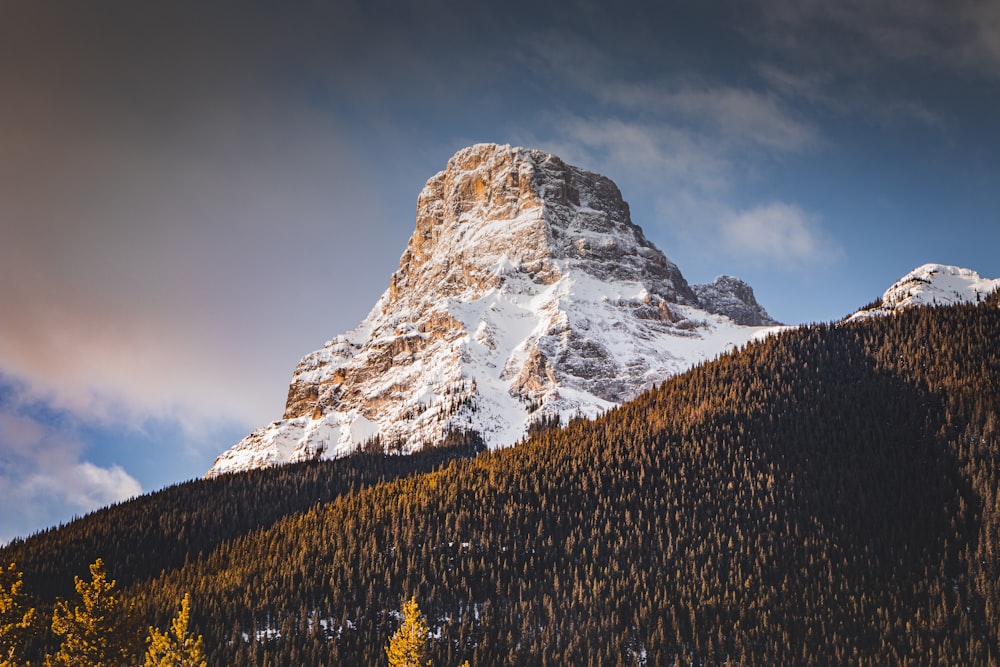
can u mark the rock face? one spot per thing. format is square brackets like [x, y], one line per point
[525, 293]
[931, 285]
[730, 296]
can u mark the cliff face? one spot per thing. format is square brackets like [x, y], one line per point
[525, 292]
[730, 296]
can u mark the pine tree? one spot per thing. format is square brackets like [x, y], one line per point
[92, 636]
[408, 646]
[16, 622]
[178, 647]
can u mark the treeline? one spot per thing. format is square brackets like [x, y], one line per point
[141, 538]
[828, 496]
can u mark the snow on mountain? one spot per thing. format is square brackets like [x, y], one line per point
[931, 285]
[525, 293]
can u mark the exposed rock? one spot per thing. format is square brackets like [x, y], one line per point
[730, 296]
[524, 293]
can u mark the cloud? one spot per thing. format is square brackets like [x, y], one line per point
[704, 137]
[694, 146]
[44, 479]
[985, 19]
[775, 235]
[738, 117]
[856, 35]
[824, 90]
[778, 234]
[693, 171]
[175, 218]
[654, 153]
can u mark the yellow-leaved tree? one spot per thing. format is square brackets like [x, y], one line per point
[177, 647]
[408, 645]
[94, 630]
[16, 622]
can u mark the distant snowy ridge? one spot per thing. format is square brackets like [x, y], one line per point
[931, 285]
[525, 293]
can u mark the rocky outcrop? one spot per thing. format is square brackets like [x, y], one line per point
[525, 292]
[730, 296]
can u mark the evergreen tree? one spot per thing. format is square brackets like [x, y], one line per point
[15, 621]
[408, 646]
[178, 647]
[90, 629]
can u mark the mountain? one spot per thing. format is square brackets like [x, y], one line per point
[525, 296]
[931, 285]
[828, 495]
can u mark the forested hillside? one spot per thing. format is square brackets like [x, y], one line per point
[828, 496]
[163, 530]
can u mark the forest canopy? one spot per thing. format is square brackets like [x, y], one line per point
[826, 496]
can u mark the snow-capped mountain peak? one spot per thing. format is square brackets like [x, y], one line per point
[931, 285]
[524, 293]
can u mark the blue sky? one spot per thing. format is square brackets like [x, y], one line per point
[195, 194]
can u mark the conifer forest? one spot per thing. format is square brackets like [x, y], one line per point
[826, 496]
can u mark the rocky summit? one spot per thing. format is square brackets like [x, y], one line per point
[525, 294]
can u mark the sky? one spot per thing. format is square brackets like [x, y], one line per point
[193, 195]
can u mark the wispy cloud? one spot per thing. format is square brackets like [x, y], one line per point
[826, 90]
[692, 177]
[779, 234]
[862, 36]
[692, 144]
[773, 235]
[655, 153]
[737, 117]
[45, 479]
[691, 148]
